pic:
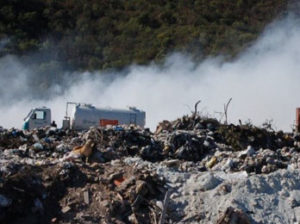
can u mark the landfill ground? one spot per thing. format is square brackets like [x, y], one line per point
[191, 170]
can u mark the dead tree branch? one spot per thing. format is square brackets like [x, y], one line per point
[196, 108]
[226, 110]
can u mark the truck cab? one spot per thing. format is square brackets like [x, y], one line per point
[37, 118]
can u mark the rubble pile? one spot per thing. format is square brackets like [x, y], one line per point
[80, 193]
[125, 174]
[215, 146]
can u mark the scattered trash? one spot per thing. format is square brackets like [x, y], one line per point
[123, 178]
[86, 197]
[119, 181]
[211, 162]
[66, 209]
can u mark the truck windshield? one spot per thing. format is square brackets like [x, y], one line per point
[28, 115]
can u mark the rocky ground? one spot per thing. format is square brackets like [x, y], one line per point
[191, 170]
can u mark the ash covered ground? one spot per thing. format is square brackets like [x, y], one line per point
[191, 170]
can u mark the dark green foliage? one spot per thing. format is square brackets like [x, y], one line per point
[90, 34]
[240, 136]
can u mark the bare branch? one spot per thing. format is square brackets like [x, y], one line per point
[226, 110]
[196, 107]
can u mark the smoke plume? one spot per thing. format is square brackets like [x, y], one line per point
[264, 83]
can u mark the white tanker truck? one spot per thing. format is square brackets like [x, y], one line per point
[83, 116]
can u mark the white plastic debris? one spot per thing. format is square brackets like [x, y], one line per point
[250, 151]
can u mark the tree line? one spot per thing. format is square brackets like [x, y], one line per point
[97, 35]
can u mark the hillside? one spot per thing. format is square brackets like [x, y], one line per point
[92, 35]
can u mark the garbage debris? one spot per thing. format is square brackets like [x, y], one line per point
[120, 174]
[66, 192]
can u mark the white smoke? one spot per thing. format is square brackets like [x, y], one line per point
[264, 83]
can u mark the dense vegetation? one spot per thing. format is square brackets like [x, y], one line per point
[100, 34]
